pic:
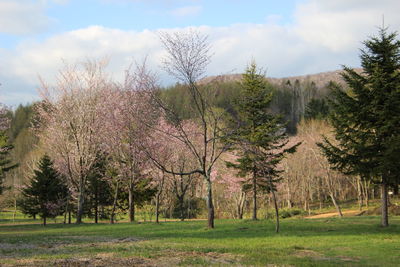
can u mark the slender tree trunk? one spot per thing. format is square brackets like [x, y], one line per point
[359, 193]
[81, 200]
[188, 210]
[157, 207]
[366, 193]
[385, 217]
[181, 203]
[131, 200]
[241, 205]
[338, 209]
[289, 197]
[96, 213]
[276, 211]
[337, 206]
[44, 221]
[66, 209]
[96, 205]
[210, 205]
[114, 203]
[254, 196]
[15, 209]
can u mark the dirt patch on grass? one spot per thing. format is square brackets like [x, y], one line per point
[172, 258]
[306, 253]
[201, 258]
[97, 262]
[85, 262]
[14, 246]
[335, 214]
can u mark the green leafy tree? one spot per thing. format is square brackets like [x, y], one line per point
[260, 141]
[46, 193]
[366, 118]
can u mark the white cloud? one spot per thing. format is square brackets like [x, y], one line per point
[22, 17]
[25, 16]
[341, 24]
[323, 35]
[186, 11]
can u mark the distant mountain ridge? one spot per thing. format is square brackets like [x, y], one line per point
[320, 79]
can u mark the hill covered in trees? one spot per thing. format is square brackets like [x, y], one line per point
[294, 98]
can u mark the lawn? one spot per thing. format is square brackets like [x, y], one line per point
[351, 241]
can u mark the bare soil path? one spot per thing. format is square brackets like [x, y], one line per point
[335, 214]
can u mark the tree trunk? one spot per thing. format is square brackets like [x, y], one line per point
[276, 211]
[131, 212]
[254, 196]
[157, 207]
[241, 205]
[81, 200]
[96, 204]
[359, 191]
[188, 210]
[366, 193]
[44, 220]
[114, 203]
[210, 205]
[66, 209]
[385, 218]
[96, 213]
[181, 206]
[15, 209]
[289, 197]
[338, 209]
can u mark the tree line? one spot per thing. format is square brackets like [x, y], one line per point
[103, 146]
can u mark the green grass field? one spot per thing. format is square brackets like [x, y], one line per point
[352, 241]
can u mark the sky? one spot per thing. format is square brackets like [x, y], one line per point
[286, 38]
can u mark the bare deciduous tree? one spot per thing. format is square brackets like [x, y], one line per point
[188, 54]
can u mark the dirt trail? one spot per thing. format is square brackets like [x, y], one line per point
[335, 214]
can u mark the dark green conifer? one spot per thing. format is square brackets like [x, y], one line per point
[261, 138]
[46, 193]
[366, 118]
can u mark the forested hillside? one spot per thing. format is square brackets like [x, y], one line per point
[292, 97]
[300, 100]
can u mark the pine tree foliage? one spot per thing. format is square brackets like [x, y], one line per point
[366, 118]
[261, 139]
[6, 163]
[46, 193]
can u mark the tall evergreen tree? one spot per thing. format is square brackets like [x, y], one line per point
[6, 163]
[99, 190]
[261, 137]
[366, 118]
[46, 193]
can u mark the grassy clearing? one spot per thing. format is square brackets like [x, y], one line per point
[352, 241]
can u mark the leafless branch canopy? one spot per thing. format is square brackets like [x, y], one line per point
[188, 54]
